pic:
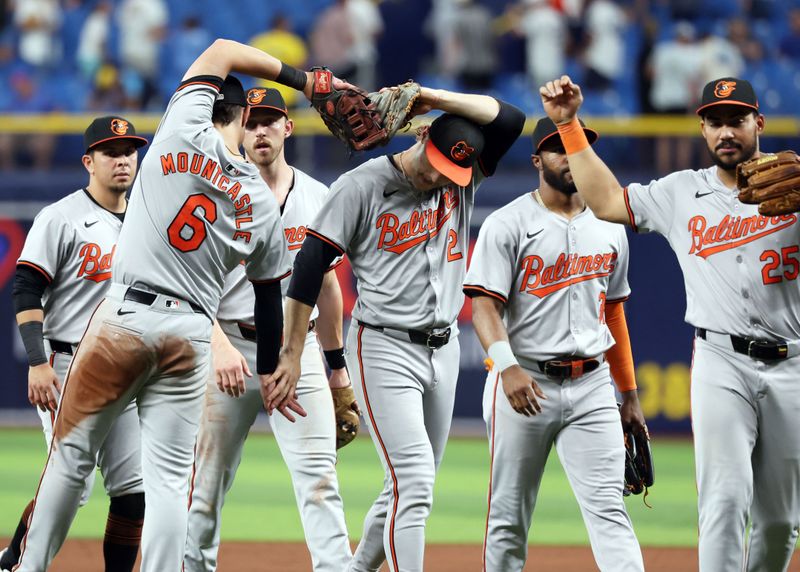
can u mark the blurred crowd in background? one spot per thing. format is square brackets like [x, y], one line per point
[630, 56]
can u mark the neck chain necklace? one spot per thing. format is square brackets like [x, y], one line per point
[402, 168]
[232, 152]
[539, 198]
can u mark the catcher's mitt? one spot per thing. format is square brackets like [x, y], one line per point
[639, 471]
[772, 182]
[348, 113]
[347, 412]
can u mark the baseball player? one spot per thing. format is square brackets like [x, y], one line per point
[62, 274]
[197, 209]
[742, 297]
[403, 221]
[547, 282]
[308, 446]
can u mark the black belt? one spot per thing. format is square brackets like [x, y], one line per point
[249, 332]
[147, 298]
[431, 340]
[756, 349]
[60, 347]
[568, 368]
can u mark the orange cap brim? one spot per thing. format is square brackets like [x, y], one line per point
[461, 176]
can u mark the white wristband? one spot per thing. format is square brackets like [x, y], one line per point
[501, 355]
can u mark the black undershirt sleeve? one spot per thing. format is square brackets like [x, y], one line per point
[310, 266]
[29, 287]
[499, 135]
[269, 325]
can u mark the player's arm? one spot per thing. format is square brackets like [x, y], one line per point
[229, 364]
[620, 360]
[226, 56]
[43, 384]
[312, 261]
[487, 317]
[594, 180]
[329, 329]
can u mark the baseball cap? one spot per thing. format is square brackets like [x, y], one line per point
[545, 130]
[266, 98]
[728, 91]
[232, 92]
[453, 146]
[110, 128]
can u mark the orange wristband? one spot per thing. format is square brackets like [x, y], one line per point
[573, 137]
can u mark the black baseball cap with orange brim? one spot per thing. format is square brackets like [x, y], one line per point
[111, 128]
[266, 98]
[454, 145]
[547, 132]
[728, 91]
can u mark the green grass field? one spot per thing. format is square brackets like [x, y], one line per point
[261, 504]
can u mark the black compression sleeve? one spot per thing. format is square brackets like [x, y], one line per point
[310, 266]
[269, 325]
[499, 136]
[29, 286]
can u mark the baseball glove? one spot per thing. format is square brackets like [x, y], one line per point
[394, 104]
[347, 412]
[348, 113]
[639, 471]
[772, 182]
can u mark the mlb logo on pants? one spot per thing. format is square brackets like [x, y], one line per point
[172, 303]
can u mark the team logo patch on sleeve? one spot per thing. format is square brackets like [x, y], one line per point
[724, 88]
[119, 126]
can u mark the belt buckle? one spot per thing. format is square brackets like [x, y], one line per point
[554, 369]
[758, 349]
[437, 339]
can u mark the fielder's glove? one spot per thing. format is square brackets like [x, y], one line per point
[362, 120]
[772, 182]
[347, 412]
[639, 471]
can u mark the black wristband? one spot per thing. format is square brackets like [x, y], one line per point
[292, 77]
[33, 340]
[335, 358]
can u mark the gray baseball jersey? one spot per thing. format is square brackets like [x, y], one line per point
[219, 197]
[302, 204]
[741, 273]
[407, 249]
[72, 243]
[550, 270]
[740, 268]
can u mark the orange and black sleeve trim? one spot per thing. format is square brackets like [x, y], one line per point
[472, 291]
[42, 271]
[631, 218]
[272, 280]
[207, 80]
[335, 265]
[325, 239]
[30, 282]
[310, 266]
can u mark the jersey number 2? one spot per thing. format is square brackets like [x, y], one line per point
[186, 218]
[452, 244]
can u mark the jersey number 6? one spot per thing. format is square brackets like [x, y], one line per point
[186, 217]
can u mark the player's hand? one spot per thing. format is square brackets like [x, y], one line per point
[338, 378]
[43, 387]
[561, 99]
[230, 368]
[522, 391]
[278, 388]
[631, 412]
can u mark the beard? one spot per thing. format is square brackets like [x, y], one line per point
[729, 163]
[559, 181]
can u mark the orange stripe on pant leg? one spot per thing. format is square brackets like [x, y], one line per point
[491, 469]
[385, 454]
[53, 439]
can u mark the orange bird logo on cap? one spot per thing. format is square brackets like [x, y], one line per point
[256, 96]
[119, 126]
[724, 89]
[461, 151]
